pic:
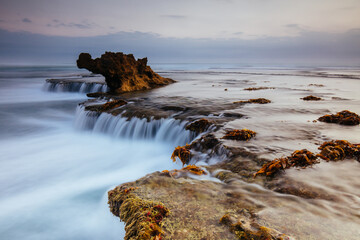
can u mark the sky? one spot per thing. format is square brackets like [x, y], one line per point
[323, 31]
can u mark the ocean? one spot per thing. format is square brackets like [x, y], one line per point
[58, 162]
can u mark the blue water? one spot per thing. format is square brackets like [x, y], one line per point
[54, 177]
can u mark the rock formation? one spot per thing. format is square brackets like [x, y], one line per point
[122, 72]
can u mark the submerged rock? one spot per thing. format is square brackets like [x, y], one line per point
[122, 72]
[199, 126]
[311, 98]
[343, 118]
[106, 106]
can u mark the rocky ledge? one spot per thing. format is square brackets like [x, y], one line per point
[122, 72]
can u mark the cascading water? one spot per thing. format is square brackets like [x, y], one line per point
[161, 130]
[81, 87]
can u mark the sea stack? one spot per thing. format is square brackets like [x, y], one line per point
[122, 72]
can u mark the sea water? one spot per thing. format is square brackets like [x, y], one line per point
[57, 162]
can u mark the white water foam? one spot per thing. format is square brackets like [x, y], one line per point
[81, 87]
[161, 130]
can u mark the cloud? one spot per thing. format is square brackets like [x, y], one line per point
[26, 20]
[238, 33]
[307, 48]
[174, 16]
[57, 23]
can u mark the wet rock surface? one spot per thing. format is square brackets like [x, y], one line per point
[122, 72]
[198, 197]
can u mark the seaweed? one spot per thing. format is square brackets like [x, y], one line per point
[256, 100]
[178, 173]
[343, 118]
[243, 134]
[142, 217]
[257, 88]
[199, 126]
[300, 158]
[316, 85]
[311, 98]
[183, 153]
[247, 228]
[339, 150]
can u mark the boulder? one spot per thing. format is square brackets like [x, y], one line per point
[122, 72]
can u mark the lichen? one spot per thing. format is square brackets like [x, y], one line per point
[243, 134]
[142, 217]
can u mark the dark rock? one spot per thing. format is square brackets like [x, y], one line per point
[311, 98]
[199, 126]
[122, 72]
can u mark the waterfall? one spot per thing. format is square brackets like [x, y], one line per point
[81, 87]
[164, 130]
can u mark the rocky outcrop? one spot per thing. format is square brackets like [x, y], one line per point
[122, 72]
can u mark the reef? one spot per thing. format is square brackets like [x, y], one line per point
[243, 134]
[343, 118]
[122, 72]
[311, 98]
[257, 100]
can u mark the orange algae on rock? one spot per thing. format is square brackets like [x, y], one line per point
[199, 126]
[247, 228]
[106, 106]
[142, 217]
[338, 150]
[243, 134]
[311, 98]
[300, 158]
[113, 104]
[183, 153]
[256, 100]
[188, 169]
[343, 118]
[257, 88]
